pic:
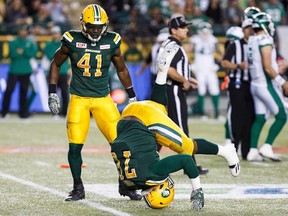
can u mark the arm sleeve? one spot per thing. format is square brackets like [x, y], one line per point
[230, 51]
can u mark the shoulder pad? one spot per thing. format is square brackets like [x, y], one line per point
[69, 35]
[116, 37]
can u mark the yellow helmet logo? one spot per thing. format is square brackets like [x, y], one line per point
[94, 14]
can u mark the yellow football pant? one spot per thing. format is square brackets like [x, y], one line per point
[104, 112]
[166, 132]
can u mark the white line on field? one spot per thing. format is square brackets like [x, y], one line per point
[61, 194]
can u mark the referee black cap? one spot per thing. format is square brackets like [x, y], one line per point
[178, 22]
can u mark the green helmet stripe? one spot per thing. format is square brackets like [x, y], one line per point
[96, 10]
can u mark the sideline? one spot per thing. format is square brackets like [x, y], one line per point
[211, 191]
[63, 195]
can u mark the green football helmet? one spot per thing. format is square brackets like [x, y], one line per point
[204, 29]
[263, 21]
[250, 11]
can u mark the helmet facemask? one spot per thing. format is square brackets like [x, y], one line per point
[94, 16]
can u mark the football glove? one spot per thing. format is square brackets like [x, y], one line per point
[131, 100]
[54, 103]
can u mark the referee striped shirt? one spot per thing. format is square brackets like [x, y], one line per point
[236, 53]
[180, 62]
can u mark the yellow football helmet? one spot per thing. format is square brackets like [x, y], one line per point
[161, 195]
[94, 15]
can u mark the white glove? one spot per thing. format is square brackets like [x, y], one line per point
[131, 100]
[54, 103]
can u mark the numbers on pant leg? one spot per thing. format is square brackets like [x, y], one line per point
[129, 173]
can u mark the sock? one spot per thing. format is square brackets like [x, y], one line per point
[159, 94]
[256, 130]
[75, 159]
[276, 127]
[161, 78]
[215, 101]
[227, 133]
[206, 147]
[201, 104]
[195, 182]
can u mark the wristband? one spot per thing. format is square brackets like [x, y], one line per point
[130, 92]
[279, 80]
[52, 88]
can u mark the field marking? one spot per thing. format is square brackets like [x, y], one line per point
[62, 195]
[211, 191]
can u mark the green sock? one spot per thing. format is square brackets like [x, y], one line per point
[276, 127]
[75, 159]
[215, 101]
[201, 104]
[206, 147]
[227, 133]
[159, 94]
[256, 130]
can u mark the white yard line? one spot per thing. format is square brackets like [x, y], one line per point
[62, 195]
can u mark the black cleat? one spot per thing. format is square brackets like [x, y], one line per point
[202, 171]
[78, 193]
[132, 194]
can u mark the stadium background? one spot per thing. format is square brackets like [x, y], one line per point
[120, 23]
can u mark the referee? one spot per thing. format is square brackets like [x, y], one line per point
[178, 78]
[242, 106]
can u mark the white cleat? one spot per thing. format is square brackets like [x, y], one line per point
[267, 152]
[165, 57]
[254, 155]
[232, 159]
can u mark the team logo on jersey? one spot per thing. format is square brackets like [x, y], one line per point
[81, 45]
[107, 46]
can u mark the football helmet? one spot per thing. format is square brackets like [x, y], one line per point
[161, 195]
[94, 16]
[250, 11]
[263, 21]
[234, 33]
[204, 29]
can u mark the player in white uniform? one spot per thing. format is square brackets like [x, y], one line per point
[266, 87]
[204, 45]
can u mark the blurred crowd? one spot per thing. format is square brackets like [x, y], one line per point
[131, 16]
[39, 15]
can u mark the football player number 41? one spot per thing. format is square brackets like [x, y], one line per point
[84, 63]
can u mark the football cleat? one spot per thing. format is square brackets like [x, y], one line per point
[78, 193]
[197, 199]
[132, 194]
[254, 155]
[202, 171]
[166, 54]
[232, 159]
[267, 152]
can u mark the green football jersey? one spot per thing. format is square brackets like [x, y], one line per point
[134, 151]
[90, 64]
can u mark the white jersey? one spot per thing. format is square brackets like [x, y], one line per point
[255, 43]
[204, 49]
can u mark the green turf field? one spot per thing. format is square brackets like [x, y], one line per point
[32, 182]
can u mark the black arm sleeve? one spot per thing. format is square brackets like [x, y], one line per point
[230, 52]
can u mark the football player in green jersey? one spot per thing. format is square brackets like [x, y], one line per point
[144, 124]
[91, 51]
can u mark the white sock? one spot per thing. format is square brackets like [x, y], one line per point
[221, 151]
[161, 78]
[195, 182]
